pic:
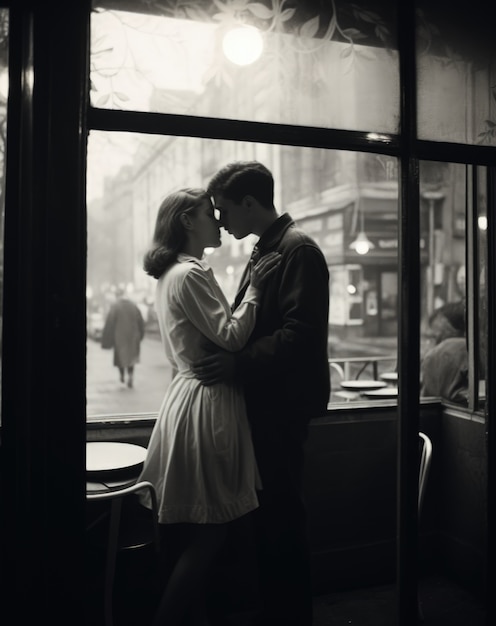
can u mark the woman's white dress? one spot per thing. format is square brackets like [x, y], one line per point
[200, 456]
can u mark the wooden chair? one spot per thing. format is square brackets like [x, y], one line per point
[425, 452]
[141, 531]
[425, 449]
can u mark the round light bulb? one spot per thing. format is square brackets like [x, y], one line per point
[362, 244]
[362, 247]
[243, 45]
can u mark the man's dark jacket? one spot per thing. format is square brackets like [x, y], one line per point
[284, 367]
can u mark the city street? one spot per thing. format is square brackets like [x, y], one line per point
[106, 395]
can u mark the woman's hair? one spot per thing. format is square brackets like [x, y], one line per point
[169, 236]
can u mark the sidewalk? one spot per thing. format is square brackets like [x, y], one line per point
[106, 395]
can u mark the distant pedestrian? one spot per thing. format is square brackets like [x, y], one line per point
[124, 331]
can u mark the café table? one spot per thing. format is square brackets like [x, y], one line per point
[112, 465]
[384, 392]
[362, 385]
[389, 377]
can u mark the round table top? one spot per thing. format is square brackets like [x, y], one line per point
[105, 456]
[362, 385]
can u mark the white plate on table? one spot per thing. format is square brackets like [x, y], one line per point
[386, 392]
[362, 385]
[389, 376]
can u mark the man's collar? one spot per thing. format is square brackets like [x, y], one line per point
[275, 232]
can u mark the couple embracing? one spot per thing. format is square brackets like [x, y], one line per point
[229, 438]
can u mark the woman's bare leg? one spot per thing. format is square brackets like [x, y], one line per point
[184, 594]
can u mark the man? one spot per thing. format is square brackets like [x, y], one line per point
[285, 374]
[123, 331]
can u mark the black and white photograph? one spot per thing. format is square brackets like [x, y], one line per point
[248, 323]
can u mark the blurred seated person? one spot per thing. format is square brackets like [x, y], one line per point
[444, 368]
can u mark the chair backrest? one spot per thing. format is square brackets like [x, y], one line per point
[425, 450]
[117, 496]
[124, 491]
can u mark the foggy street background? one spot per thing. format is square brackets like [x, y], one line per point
[106, 395]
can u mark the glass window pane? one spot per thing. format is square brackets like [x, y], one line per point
[456, 80]
[481, 287]
[444, 353]
[4, 91]
[452, 264]
[335, 196]
[334, 67]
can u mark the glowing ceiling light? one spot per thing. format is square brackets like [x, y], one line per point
[243, 45]
[362, 244]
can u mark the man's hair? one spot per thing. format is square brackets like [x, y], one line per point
[244, 178]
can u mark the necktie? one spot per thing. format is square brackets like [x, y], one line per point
[255, 256]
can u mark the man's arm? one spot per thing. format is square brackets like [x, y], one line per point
[217, 367]
[299, 325]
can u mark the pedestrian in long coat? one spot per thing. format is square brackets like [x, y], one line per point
[124, 331]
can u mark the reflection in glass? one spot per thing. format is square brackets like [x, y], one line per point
[330, 194]
[444, 354]
[336, 66]
[453, 349]
[481, 288]
[453, 335]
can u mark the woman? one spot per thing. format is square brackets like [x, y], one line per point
[200, 456]
[444, 368]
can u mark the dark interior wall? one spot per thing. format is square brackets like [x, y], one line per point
[462, 542]
[350, 484]
[351, 490]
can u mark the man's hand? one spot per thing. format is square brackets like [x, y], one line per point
[215, 368]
